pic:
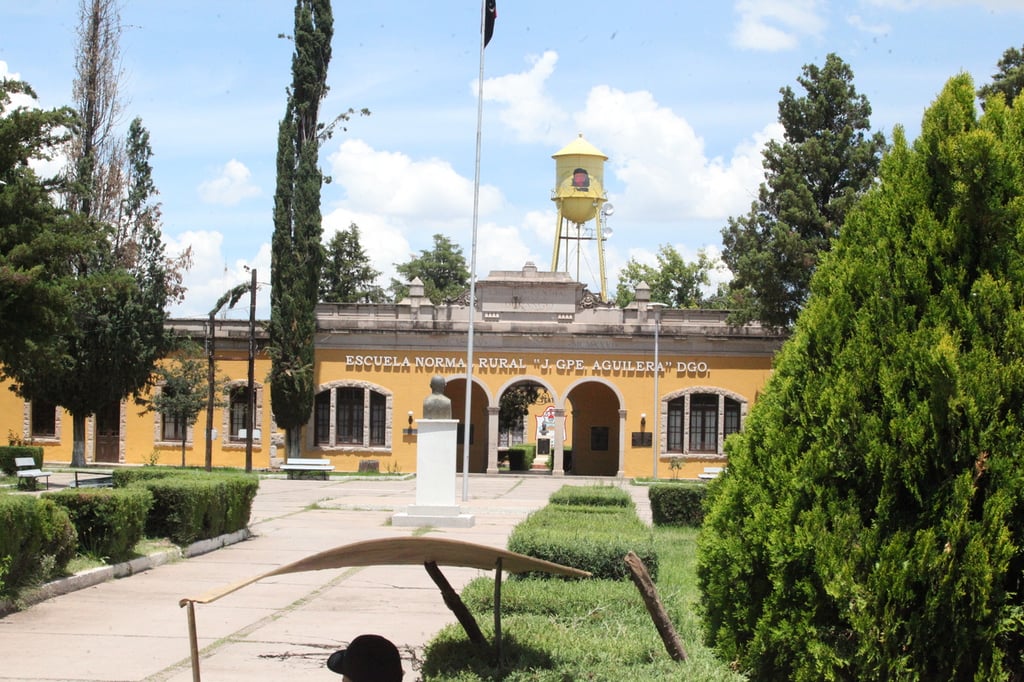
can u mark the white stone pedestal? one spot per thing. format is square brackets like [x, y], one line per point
[435, 479]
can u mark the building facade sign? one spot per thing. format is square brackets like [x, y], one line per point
[537, 364]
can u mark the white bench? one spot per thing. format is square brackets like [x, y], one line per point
[710, 473]
[28, 471]
[297, 466]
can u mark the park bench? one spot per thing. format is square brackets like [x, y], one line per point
[296, 467]
[29, 473]
[710, 473]
[94, 478]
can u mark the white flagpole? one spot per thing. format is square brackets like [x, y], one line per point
[467, 423]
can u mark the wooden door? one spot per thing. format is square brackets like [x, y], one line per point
[108, 433]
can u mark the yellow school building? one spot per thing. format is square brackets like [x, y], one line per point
[624, 392]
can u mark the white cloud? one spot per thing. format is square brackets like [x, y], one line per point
[775, 25]
[211, 275]
[230, 187]
[529, 111]
[858, 22]
[661, 159]
[905, 5]
[382, 238]
[395, 186]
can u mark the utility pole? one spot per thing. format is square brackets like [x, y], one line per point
[251, 411]
[211, 334]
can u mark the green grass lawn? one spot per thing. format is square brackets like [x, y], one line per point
[555, 630]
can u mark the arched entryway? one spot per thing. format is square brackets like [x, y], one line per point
[596, 416]
[455, 390]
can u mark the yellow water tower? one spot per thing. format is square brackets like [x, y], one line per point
[580, 198]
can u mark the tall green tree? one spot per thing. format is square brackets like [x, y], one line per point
[122, 286]
[673, 281]
[347, 275]
[870, 523]
[121, 290]
[1008, 80]
[297, 255]
[813, 176]
[442, 270]
[38, 239]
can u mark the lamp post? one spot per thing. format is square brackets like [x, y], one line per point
[656, 432]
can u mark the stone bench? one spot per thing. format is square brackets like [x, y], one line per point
[296, 467]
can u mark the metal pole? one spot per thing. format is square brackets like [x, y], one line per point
[250, 418]
[210, 396]
[656, 435]
[467, 423]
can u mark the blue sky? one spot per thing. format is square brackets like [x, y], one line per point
[680, 95]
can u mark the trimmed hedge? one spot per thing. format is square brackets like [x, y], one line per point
[520, 457]
[591, 496]
[37, 540]
[590, 538]
[9, 452]
[110, 522]
[678, 504]
[197, 505]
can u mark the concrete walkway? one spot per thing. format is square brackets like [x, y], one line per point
[282, 627]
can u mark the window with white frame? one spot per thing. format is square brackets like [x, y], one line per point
[698, 422]
[351, 415]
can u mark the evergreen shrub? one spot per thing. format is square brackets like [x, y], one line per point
[678, 504]
[591, 496]
[520, 457]
[198, 505]
[594, 539]
[37, 540]
[109, 521]
[872, 521]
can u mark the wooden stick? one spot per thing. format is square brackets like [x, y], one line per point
[193, 641]
[497, 609]
[642, 580]
[454, 602]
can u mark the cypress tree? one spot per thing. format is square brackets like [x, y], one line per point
[297, 255]
[871, 521]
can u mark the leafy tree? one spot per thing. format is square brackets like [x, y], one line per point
[442, 270]
[297, 253]
[38, 239]
[121, 289]
[121, 286]
[347, 275]
[812, 178]
[516, 402]
[1009, 80]
[183, 391]
[871, 521]
[673, 281]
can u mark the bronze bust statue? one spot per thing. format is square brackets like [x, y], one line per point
[437, 405]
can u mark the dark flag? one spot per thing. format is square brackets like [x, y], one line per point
[490, 14]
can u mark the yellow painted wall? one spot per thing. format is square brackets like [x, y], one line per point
[587, 386]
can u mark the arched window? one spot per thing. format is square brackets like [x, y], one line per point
[239, 413]
[236, 414]
[699, 421]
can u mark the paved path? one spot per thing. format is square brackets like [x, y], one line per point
[282, 627]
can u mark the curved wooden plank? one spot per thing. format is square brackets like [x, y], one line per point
[404, 551]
